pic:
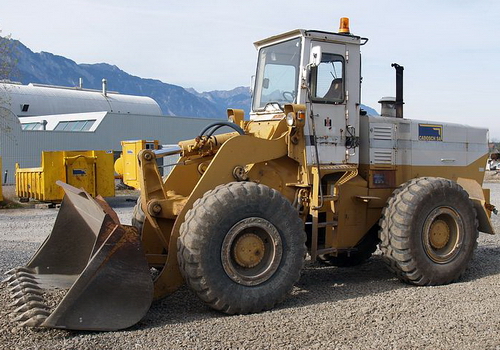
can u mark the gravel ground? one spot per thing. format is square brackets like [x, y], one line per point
[330, 308]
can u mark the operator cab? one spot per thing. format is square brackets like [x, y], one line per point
[320, 70]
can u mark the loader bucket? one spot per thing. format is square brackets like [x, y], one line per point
[90, 273]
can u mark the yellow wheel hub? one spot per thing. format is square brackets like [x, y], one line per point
[439, 234]
[249, 250]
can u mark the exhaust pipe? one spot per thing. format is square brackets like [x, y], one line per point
[399, 89]
[105, 87]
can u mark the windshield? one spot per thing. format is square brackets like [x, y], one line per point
[277, 75]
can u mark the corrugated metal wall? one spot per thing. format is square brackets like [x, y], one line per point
[25, 147]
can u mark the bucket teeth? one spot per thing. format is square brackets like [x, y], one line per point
[24, 286]
[36, 312]
[91, 270]
[34, 321]
[9, 279]
[28, 291]
[19, 269]
[25, 299]
[18, 275]
[21, 280]
[30, 305]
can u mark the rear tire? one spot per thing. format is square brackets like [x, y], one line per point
[241, 247]
[428, 231]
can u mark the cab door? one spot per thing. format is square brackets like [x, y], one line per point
[334, 97]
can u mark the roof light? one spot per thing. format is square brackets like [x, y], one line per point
[344, 26]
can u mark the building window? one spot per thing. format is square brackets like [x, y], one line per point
[71, 126]
[88, 125]
[32, 126]
[61, 126]
[75, 125]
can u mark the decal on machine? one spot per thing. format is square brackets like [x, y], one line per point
[430, 132]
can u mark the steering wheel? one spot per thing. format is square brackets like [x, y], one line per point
[289, 96]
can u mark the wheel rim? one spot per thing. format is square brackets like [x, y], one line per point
[251, 251]
[443, 235]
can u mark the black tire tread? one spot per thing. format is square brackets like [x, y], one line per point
[193, 235]
[395, 227]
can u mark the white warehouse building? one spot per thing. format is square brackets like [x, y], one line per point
[76, 119]
[37, 99]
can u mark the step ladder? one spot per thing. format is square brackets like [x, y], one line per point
[319, 200]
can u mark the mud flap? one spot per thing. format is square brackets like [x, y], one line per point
[95, 264]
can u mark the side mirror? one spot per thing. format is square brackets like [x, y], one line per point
[315, 58]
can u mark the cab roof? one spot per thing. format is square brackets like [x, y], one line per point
[313, 34]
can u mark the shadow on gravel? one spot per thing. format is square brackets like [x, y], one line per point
[122, 201]
[486, 262]
[318, 284]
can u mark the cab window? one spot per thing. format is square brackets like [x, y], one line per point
[277, 75]
[328, 79]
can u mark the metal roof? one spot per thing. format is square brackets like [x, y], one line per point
[36, 100]
[313, 34]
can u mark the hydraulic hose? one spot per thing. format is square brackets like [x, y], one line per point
[217, 125]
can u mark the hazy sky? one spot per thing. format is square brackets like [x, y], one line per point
[450, 48]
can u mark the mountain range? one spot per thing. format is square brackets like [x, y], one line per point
[51, 69]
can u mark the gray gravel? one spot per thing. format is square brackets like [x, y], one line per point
[330, 308]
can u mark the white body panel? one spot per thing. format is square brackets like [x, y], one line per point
[393, 141]
[333, 126]
[331, 119]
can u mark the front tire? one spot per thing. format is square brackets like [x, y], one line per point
[241, 247]
[428, 231]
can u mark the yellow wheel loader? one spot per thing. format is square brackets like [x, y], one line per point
[309, 175]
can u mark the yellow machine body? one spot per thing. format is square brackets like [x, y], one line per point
[352, 206]
[91, 170]
[127, 166]
[309, 174]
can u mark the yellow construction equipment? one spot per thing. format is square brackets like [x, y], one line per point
[127, 166]
[310, 174]
[91, 170]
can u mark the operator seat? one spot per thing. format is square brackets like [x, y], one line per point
[336, 91]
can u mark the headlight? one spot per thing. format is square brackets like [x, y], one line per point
[290, 119]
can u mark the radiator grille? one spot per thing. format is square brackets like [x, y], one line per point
[382, 132]
[382, 156]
